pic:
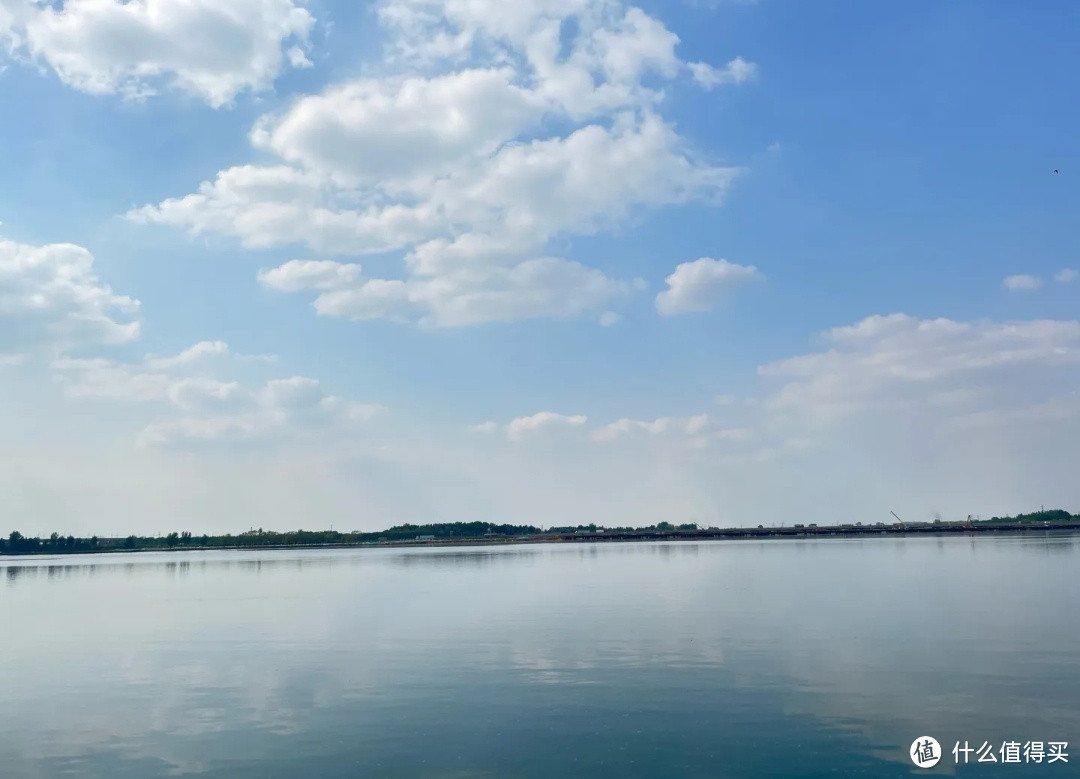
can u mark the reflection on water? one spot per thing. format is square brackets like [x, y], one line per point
[777, 658]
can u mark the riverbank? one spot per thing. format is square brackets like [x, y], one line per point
[263, 542]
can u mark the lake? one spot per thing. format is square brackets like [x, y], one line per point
[721, 659]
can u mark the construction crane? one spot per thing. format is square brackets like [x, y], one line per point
[900, 522]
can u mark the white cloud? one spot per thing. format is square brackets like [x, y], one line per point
[194, 430]
[598, 68]
[1065, 275]
[372, 299]
[736, 71]
[965, 415]
[208, 49]
[1020, 281]
[387, 130]
[634, 45]
[700, 285]
[467, 296]
[52, 304]
[609, 318]
[192, 354]
[104, 378]
[280, 205]
[521, 427]
[688, 426]
[200, 393]
[150, 380]
[456, 165]
[962, 417]
[695, 432]
[51, 298]
[515, 200]
[898, 360]
[297, 275]
[298, 58]
[211, 408]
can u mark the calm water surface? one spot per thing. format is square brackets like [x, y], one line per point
[724, 659]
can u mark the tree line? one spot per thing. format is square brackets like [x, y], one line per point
[1046, 515]
[17, 543]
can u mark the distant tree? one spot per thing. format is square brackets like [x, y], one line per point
[15, 542]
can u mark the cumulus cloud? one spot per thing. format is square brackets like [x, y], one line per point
[689, 426]
[508, 204]
[884, 375]
[521, 427]
[208, 49]
[449, 156]
[598, 67]
[52, 299]
[942, 401]
[467, 296]
[1005, 390]
[1065, 275]
[698, 432]
[191, 355]
[391, 130]
[1021, 281]
[899, 360]
[297, 275]
[206, 407]
[736, 71]
[700, 285]
[53, 306]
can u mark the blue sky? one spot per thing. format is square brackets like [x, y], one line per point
[723, 262]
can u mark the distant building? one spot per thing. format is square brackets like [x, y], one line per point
[425, 538]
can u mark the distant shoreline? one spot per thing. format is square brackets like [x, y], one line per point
[580, 537]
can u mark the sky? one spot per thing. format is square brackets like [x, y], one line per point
[282, 264]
